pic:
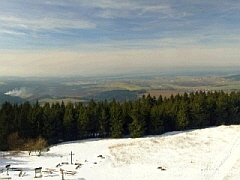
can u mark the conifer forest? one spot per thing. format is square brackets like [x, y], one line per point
[57, 122]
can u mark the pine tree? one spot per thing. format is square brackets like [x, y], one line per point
[6, 124]
[84, 123]
[70, 123]
[211, 108]
[156, 124]
[37, 122]
[24, 122]
[93, 117]
[137, 127]
[126, 109]
[222, 109]
[47, 120]
[199, 110]
[116, 129]
[183, 116]
[234, 109]
[146, 105]
[103, 119]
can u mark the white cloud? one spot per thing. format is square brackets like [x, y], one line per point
[132, 9]
[10, 32]
[46, 23]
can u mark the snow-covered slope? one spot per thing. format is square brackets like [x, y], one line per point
[205, 154]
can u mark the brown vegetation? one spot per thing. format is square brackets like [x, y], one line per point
[36, 145]
[15, 143]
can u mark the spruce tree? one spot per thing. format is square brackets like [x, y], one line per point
[25, 120]
[103, 119]
[156, 123]
[70, 123]
[116, 121]
[84, 123]
[222, 109]
[199, 110]
[137, 127]
[183, 116]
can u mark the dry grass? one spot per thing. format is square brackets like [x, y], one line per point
[135, 151]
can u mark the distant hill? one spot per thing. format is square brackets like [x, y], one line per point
[234, 77]
[11, 99]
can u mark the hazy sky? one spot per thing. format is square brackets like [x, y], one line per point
[66, 37]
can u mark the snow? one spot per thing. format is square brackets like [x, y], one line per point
[211, 153]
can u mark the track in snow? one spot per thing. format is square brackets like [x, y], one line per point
[228, 161]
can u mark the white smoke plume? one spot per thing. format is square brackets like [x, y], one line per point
[22, 93]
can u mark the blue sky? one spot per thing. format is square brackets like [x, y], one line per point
[88, 37]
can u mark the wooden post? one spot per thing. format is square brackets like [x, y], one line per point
[71, 156]
[62, 173]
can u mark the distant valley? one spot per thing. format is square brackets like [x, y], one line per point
[121, 88]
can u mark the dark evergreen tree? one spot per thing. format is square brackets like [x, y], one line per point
[211, 108]
[104, 114]
[84, 123]
[47, 120]
[222, 109]
[126, 109]
[53, 122]
[93, 117]
[234, 107]
[116, 122]
[137, 127]
[24, 123]
[159, 100]
[156, 123]
[37, 123]
[70, 123]
[146, 105]
[6, 124]
[183, 116]
[199, 110]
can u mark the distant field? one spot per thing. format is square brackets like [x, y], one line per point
[129, 89]
[126, 86]
[79, 89]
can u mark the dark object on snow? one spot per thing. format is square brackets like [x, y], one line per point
[64, 162]
[101, 156]
[38, 172]
[162, 168]
[58, 165]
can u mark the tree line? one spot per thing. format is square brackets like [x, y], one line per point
[147, 115]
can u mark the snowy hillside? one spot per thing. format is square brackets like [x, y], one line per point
[206, 154]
